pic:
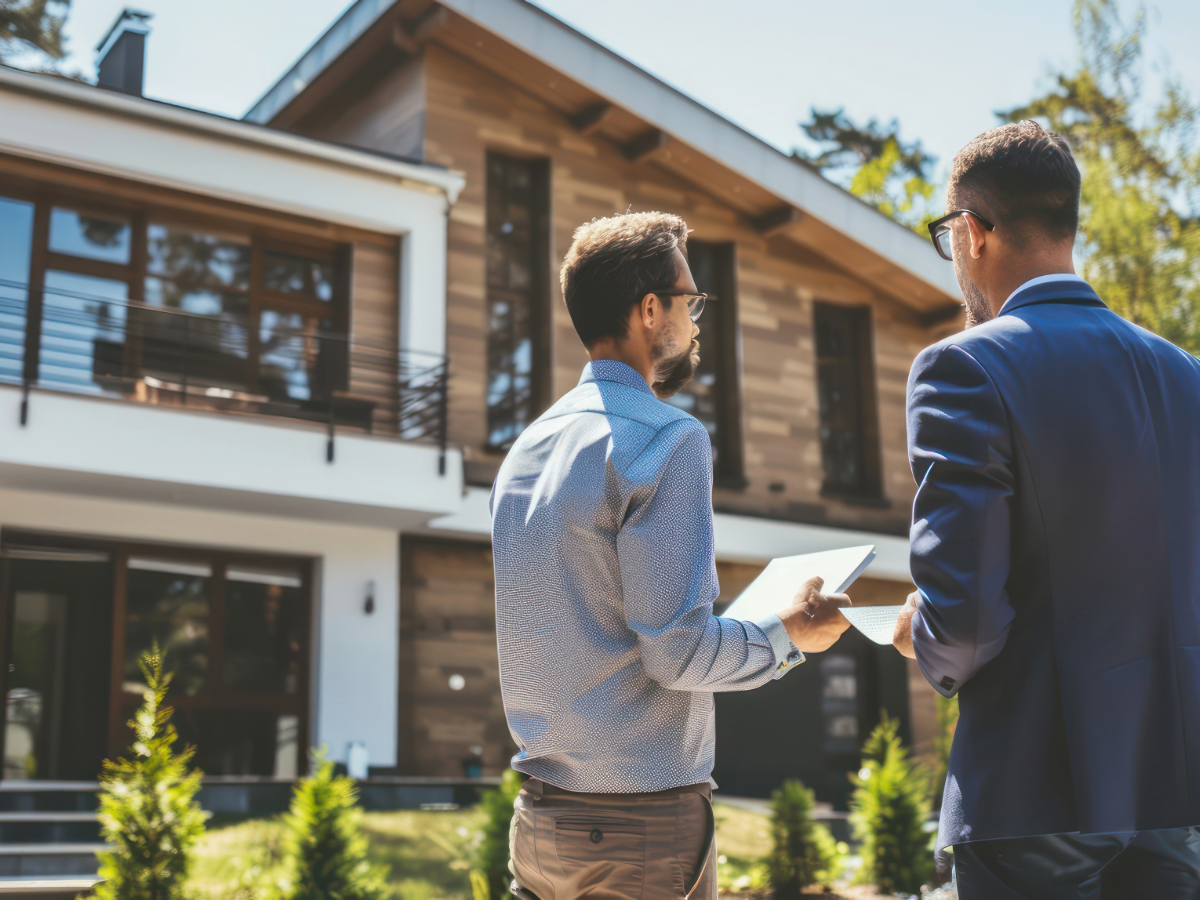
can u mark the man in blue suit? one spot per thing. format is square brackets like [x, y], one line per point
[1055, 543]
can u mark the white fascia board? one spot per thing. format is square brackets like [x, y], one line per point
[624, 84]
[80, 125]
[356, 656]
[118, 448]
[743, 539]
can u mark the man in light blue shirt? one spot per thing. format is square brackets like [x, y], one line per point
[605, 579]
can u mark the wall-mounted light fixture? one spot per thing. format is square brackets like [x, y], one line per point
[369, 603]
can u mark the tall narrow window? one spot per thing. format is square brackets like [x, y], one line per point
[16, 248]
[517, 357]
[713, 395]
[846, 389]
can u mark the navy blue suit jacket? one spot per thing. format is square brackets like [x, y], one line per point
[1056, 548]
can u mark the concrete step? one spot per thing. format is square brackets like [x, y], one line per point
[48, 888]
[48, 796]
[38, 827]
[49, 860]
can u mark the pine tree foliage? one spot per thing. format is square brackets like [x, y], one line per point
[1140, 204]
[32, 24]
[889, 174]
[803, 850]
[492, 870]
[947, 720]
[888, 813]
[148, 810]
[325, 850]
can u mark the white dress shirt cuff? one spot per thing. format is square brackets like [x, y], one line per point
[786, 654]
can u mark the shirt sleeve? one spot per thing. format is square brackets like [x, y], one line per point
[669, 576]
[960, 449]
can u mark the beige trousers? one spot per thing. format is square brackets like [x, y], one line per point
[656, 846]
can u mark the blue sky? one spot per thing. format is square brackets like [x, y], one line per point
[941, 69]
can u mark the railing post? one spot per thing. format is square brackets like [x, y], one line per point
[24, 402]
[443, 414]
[187, 336]
[329, 441]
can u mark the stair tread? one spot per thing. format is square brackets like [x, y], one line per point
[52, 849]
[35, 815]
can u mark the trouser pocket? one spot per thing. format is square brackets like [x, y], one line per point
[601, 856]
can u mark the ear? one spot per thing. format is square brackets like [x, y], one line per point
[650, 310]
[977, 236]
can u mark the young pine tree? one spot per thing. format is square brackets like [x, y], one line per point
[804, 851]
[325, 850]
[148, 810]
[888, 813]
[491, 877]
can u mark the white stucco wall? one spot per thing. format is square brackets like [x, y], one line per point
[355, 655]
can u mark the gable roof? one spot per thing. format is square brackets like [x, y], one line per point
[587, 81]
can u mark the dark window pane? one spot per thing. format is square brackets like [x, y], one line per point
[16, 245]
[286, 273]
[846, 395]
[194, 265]
[167, 601]
[515, 193]
[241, 742]
[839, 703]
[264, 630]
[90, 235]
[83, 331]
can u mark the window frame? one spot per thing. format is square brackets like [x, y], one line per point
[45, 197]
[869, 491]
[214, 695]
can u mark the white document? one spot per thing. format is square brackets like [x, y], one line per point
[776, 587]
[876, 622]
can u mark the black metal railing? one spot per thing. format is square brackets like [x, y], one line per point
[283, 365]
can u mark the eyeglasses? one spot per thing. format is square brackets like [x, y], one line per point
[695, 305]
[939, 231]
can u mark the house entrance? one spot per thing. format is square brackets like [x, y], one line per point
[233, 627]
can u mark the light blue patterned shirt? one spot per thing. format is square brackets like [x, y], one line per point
[602, 536]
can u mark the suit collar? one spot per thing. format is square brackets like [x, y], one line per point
[1052, 289]
[611, 370]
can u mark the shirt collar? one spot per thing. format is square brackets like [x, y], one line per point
[612, 370]
[1060, 286]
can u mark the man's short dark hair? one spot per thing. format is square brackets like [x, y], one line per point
[613, 263]
[1023, 175]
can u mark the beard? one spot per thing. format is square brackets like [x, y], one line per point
[978, 309]
[672, 373]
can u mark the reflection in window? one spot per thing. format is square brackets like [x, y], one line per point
[286, 273]
[83, 330]
[206, 275]
[90, 235]
[16, 246]
[839, 703]
[290, 354]
[168, 601]
[264, 629]
[515, 204]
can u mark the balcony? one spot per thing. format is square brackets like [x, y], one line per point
[124, 394]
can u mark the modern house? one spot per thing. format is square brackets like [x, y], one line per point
[256, 378]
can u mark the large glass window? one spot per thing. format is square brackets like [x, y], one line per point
[132, 302]
[517, 209]
[713, 395]
[846, 392]
[16, 249]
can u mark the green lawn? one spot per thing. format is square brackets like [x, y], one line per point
[427, 853]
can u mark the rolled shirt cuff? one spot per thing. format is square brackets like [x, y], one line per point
[786, 655]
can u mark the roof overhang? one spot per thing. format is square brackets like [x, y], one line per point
[56, 120]
[652, 120]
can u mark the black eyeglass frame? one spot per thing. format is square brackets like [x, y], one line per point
[942, 226]
[695, 305]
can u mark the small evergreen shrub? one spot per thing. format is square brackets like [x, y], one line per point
[492, 875]
[148, 810]
[324, 848]
[888, 813]
[804, 851]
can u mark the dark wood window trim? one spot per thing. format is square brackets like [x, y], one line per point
[214, 695]
[850, 367]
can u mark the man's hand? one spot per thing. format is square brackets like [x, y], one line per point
[813, 621]
[902, 639]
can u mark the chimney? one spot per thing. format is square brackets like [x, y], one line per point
[122, 63]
